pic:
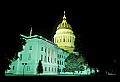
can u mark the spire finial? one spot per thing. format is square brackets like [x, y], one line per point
[31, 31]
[64, 17]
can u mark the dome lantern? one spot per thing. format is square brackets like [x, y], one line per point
[64, 24]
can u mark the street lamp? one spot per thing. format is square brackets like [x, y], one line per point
[24, 67]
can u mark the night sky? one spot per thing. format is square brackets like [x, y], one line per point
[96, 22]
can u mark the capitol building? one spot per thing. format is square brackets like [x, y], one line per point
[52, 54]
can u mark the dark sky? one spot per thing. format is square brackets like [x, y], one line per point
[96, 22]
[45, 16]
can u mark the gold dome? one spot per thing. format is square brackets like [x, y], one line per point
[64, 24]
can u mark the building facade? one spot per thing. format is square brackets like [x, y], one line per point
[39, 48]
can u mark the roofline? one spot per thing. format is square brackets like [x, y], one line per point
[39, 37]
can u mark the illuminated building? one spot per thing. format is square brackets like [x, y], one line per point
[38, 48]
[51, 54]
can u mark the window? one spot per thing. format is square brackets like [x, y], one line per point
[49, 68]
[52, 68]
[48, 59]
[41, 57]
[60, 62]
[55, 60]
[64, 40]
[59, 70]
[28, 68]
[60, 56]
[29, 57]
[51, 60]
[13, 67]
[55, 69]
[45, 49]
[45, 59]
[45, 68]
[30, 47]
[68, 40]
[20, 57]
[41, 48]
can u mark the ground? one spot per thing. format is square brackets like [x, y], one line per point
[62, 78]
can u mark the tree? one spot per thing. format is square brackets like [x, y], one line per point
[81, 69]
[101, 50]
[11, 42]
[10, 50]
[39, 67]
[73, 63]
[70, 64]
